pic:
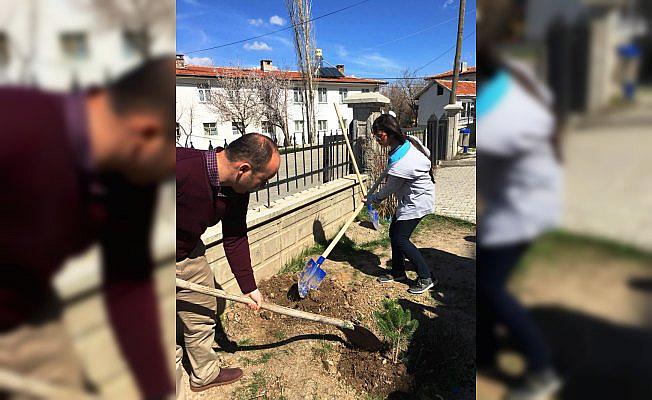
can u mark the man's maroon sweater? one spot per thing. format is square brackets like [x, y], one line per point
[50, 209]
[200, 205]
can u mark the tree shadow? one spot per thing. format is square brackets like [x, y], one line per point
[598, 358]
[441, 355]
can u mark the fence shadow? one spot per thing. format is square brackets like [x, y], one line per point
[441, 355]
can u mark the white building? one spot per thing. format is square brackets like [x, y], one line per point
[60, 44]
[199, 125]
[435, 96]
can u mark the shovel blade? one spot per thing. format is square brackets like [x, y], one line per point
[311, 277]
[373, 216]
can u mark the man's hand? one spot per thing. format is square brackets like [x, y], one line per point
[364, 199]
[257, 297]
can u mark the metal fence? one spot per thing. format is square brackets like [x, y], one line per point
[307, 165]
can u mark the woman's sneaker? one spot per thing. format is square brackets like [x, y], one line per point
[391, 278]
[421, 285]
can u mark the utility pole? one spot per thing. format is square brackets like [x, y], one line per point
[458, 51]
[452, 109]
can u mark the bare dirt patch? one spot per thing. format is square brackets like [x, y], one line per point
[289, 358]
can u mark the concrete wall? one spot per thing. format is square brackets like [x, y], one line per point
[276, 235]
[280, 233]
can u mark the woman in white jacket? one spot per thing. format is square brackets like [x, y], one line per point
[410, 179]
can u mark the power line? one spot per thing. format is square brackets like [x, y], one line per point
[278, 30]
[443, 54]
[410, 34]
[423, 66]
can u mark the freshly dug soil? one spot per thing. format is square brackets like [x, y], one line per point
[374, 373]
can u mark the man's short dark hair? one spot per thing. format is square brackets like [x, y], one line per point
[254, 148]
[149, 87]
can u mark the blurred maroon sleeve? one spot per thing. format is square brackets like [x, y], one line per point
[130, 293]
[236, 243]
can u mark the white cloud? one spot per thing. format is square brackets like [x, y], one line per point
[204, 61]
[257, 46]
[284, 41]
[341, 51]
[276, 20]
[255, 22]
[448, 3]
[376, 61]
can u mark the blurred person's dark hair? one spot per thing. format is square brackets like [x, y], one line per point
[147, 88]
[501, 23]
[254, 148]
[388, 124]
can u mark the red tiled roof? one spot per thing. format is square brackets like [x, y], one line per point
[449, 74]
[200, 71]
[464, 88]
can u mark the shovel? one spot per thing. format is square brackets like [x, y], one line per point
[356, 334]
[312, 275]
[373, 214]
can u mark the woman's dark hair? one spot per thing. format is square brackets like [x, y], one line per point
[390, 126]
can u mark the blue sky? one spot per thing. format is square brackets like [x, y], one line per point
[379, 38]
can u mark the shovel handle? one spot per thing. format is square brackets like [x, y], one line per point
[266, 306]
[350, 149]
[339, 235]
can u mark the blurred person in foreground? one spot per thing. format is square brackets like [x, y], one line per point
[214, 186]
[78, 169]
[519, 189]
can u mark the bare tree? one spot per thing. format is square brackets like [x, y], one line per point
[300, 11]
[403, 96]
[274, 93]
[138, 18]
[185, 128]
[237, 99]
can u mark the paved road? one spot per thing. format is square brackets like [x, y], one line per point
[455, 192]
[607, 179]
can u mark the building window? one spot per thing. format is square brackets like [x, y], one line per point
[323, 95]
[322, 125]
[237, 128]
[440, 90]
[4, 49]
[343, 93]
[204, 92]
[298, 95]
[298, 126]
[135, 42]
[210, 128]
[268, 128]
[74, 45]
[365, 90]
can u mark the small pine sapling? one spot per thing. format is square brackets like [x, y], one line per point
[397, 325]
